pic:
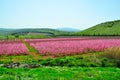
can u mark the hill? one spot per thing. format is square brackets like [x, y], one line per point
[5, 31]
[110, 28]
[31, 33]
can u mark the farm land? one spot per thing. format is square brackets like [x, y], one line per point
[59, 39]
[82, 58]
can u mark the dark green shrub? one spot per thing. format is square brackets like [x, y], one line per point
[118, 63]
[108, 62]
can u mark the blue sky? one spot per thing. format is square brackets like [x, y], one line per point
[80, 14]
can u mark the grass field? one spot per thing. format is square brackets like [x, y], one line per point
[78, 67]
[60, 73]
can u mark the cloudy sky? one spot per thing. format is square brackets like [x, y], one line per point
[80, 14]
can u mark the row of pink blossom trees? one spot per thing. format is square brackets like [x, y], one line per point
[13, 48]
[72, 46]
[58, 46]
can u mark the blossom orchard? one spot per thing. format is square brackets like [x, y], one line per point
[12, 48]
[58, 46]
[72, 46]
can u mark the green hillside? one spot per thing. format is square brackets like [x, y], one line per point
[5, 31]
[41, 30]
[111, 28]
[31, 33]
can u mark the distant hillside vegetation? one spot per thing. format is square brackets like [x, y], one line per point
[31, 33]
[111, 28]
[42, 31]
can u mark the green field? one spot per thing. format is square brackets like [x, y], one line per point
[90, 66]
[60, 73]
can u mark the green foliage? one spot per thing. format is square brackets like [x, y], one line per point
[79, 60]
[60, 73]
[108, 62]
[85, 60]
